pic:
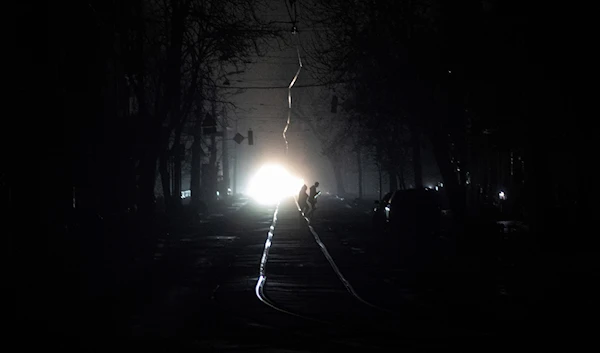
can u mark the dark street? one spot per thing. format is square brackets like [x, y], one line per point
[219, 285]
[300, 176]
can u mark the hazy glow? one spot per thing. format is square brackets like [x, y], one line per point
[272, 183]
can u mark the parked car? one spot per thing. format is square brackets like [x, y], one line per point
[411, 211]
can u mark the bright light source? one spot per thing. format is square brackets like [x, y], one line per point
[502, 195]
[272, 183]
[436, 188]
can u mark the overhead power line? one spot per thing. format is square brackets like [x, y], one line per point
[284, 87]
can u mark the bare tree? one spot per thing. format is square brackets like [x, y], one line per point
[388, 54]
[331, 129]
[182, 45]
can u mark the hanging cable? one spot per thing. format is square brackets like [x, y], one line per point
[292, 11]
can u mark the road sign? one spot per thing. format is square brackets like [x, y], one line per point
[238, 138]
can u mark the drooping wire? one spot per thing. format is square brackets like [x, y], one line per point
[294, 18]
[292, 10]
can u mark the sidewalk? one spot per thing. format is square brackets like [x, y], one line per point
[103, 274]
[223, 206]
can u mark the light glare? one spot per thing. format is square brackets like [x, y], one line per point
[272, 183]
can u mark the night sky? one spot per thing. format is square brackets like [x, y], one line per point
[265, 111]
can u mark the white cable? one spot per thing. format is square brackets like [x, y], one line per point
[287, 125]
[334, 266]
[262, 278]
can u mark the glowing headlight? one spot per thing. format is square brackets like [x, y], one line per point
[272, 183]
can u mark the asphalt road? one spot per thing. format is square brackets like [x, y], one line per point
[265, 279]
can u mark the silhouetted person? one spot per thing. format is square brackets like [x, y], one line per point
[303, 199]
[312, 198]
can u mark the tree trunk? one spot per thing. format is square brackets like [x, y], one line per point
[176, 197]
[210, 180]
[197, 153]
[339, 175]
[400, 173]
[163, 168]
[454, 190]
[225, 157]
[360, 173]
[380, 177]
[147, 166]
[151, 126]
[402, 182]
[416, 154]
[146, 204]
[379, 171]
[392, 178]
[178, 155]
[195, 172]
[173, 95]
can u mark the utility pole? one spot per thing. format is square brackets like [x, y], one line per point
[225, 154]
[238, 138]
[360, 172]
[212, 161]
[235, 162]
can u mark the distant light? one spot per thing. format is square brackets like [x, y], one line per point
[218, 193]
[441, 185]
[429, 187]
[271, 183]
[436, 188]
[502, 195]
